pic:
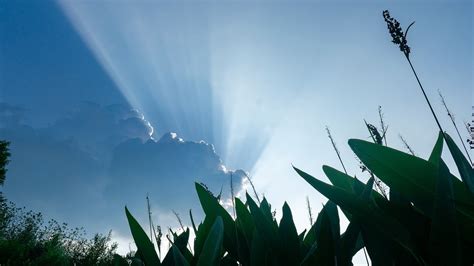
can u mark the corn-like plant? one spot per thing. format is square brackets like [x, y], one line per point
[428, 218]
[254, 237]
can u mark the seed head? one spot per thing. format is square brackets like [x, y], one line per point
[398, 37]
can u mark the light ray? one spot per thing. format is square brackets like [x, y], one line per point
[180, 67]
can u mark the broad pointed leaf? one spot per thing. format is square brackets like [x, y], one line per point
[211, 251]
[464, 167]
[146, 249]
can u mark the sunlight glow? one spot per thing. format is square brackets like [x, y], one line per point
[184, 71]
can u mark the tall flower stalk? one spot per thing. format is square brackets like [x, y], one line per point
[400, 38]
[335, 149]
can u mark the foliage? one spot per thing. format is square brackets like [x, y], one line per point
[26, 239]
[4, 154]
[427, 219]
[430, 222]
[253, 237]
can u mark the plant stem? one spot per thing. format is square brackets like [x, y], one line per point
[335, 149]
[455, 125]
[382, 125]
[464, 146]
[426, 97]
[232, 194]
[406, 145]
[345, 171]
[308, 205]
[253, 187]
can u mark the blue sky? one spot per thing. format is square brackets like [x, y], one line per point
[257, 81]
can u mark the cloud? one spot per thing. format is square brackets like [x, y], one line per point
[85, 167]
[167, 170]
[98, 129]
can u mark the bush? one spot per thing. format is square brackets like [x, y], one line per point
[25, 238]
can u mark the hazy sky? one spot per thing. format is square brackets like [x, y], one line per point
[257, 81]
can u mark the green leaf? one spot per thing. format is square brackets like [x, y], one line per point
[145, 247]
[181, 240]
[435, 156]
[302, 235]
[325, 252]
[211, 251]
[320, 241]
[266, 228]
[266, 209]
[212, 208]
[175, 258]
[338, 178]
[201, 236]
[179, 259]
[258, 252]
[444, 238]
[192, 221]
[365, 212]
[309, 258]
[331, 210]
[464, 167]
[350, 243]
[347, 183]
[246, 226]
[244, 220]
[310, 237]
[290, 245]
[413, 177]
[383, 250]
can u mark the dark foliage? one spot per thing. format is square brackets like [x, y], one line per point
[26, 239]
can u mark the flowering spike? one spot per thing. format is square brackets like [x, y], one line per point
[396, 32]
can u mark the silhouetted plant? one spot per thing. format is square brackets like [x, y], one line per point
[4, 155]
[451, 117]
[400, 38]
[407, 146]
[26, 239]
[427, 219]
[333, 143]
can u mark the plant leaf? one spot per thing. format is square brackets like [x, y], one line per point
[444, 238]
[411, 176]
[266, 228]
[244, 219]
[325, 253]
[145, 247]
[258, 252]
[464, 167]
[350, 243]
[365, 212]
[211, 251]
[290, 244]
[212, 208]
[435, 156]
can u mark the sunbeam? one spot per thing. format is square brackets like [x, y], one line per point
[259, 81]
[198, 70]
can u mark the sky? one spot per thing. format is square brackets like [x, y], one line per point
[90, 91]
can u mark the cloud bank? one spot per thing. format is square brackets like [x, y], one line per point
[85, 167]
